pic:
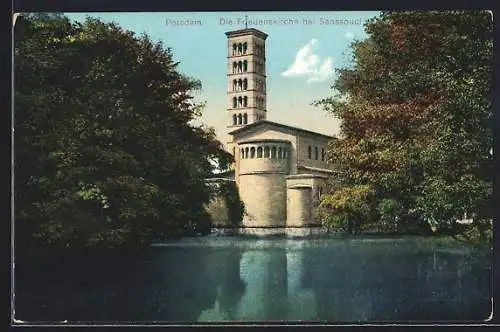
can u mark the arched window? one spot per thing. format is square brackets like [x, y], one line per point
[245, 65]
[246, 153]
[322, 154]
[234, 102]
[245, 101]
[240, 48]
[245, 84]
[245, 118]
[284, 153]
[266, 152]
[240, 101]
[240, 84]
[239, 119]
[235, 65]
[242, 153]
[235, 48]
[273, 152]
[234, 85]
[252, 152]
[240, 66]
[316, 152]
[235, 119]
[280, 153]
[309, 152]
[245, 46]
[259, 152]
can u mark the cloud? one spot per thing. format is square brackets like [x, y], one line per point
[307, 64]
[324, 72]
[349, 35]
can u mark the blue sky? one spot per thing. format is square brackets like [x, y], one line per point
[301, 58]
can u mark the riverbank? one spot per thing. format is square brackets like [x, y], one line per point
[131, 252]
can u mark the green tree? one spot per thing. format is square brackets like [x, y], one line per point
[347, 208]
[390, 211]
[105, 150]
[415, 113]
[226, 207]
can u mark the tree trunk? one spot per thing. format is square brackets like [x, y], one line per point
[350, 226]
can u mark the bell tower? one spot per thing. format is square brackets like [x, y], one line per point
[246, 78]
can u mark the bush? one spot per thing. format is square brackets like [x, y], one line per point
[226, 208]
[218, 211]
[390, 211]
[347, 208]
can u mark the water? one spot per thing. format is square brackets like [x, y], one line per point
[215, 279]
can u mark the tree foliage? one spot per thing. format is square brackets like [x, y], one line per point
[415, 111]
[105, 150]
[226, 207]
[346, 208]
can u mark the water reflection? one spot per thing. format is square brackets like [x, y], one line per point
[264, 272]
[225, 273]
[265, 280]
[347, 282]
[301, 297]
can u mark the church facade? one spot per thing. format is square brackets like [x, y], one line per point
[280, 170]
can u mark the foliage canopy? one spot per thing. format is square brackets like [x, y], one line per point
[105, 150]
[416, 118]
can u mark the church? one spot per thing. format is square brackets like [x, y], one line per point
[280, 170]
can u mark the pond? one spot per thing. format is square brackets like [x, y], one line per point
[230, 278]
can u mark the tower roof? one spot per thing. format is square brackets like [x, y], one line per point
[244, 32]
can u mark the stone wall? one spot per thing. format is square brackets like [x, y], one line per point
[303, 193]
[276, 188]
[303, 144]
[273, 231]
[264, 134]
[299, 201]
[263, 165]
[264, 196]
